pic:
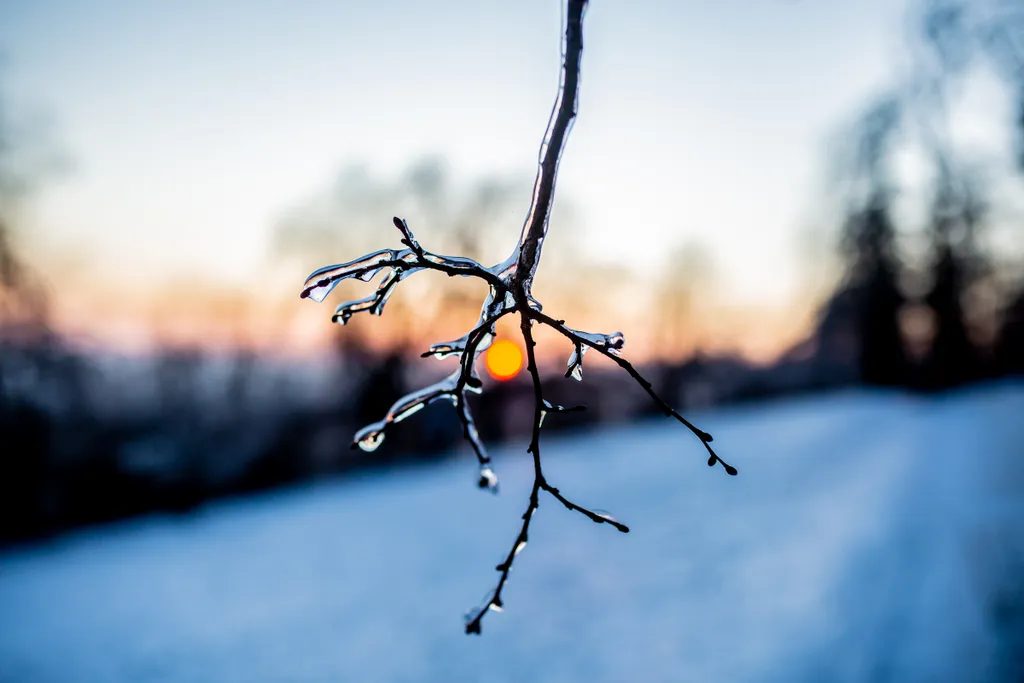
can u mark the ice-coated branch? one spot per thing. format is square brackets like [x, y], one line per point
[452, 388]
[610, 345]
[540, 407]
[563, 114]
[510, 284]
[396, 264]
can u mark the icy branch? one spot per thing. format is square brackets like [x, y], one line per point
[397, 264]
[510, 284]
[610, 345]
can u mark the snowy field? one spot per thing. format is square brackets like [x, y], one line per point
[867, 538]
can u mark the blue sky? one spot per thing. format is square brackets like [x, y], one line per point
[194, 125]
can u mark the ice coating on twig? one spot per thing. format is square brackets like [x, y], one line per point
[322, 281]
[509, 292]
[370, 437]
[613, 342]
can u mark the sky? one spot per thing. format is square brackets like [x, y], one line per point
[192, 127]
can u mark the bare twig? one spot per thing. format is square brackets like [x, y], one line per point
[510, 285]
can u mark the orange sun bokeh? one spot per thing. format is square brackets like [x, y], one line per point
[504, 360]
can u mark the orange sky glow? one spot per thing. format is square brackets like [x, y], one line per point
[194, 314]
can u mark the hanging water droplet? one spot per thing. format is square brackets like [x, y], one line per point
[371, 442]
[615, 341]
[496, 606]
[370, 438]
[445, 349]
[575, 364]
[488, 479]
[323, 280]
[474, 384]
[519, 548]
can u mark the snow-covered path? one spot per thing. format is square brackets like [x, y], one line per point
[868, 537]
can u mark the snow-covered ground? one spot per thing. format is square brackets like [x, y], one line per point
[868, 538]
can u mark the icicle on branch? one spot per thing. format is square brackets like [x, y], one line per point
[510, 284]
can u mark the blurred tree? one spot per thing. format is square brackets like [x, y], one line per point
[955, 35]
[25, 427]
[877, 299]
[864, 313]
[953, 357]
[1009, 353]
[685, 278]
[23, 304]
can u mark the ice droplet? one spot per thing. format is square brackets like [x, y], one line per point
[474, 385]
[445, 349]
[322, 281]
[369, 438]
[615, 341]
[488, 479]
[519, 548]
[495, 606]
[575, 364]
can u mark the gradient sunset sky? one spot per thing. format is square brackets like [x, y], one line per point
[192, 126]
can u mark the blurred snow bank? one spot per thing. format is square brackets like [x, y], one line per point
[869, 537]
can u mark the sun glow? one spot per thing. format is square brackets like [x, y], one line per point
[504, 360]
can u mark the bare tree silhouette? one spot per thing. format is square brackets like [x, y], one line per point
[510, 283]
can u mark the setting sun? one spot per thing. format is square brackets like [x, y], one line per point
[504, 360]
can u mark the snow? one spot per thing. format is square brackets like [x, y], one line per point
[868, 537]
